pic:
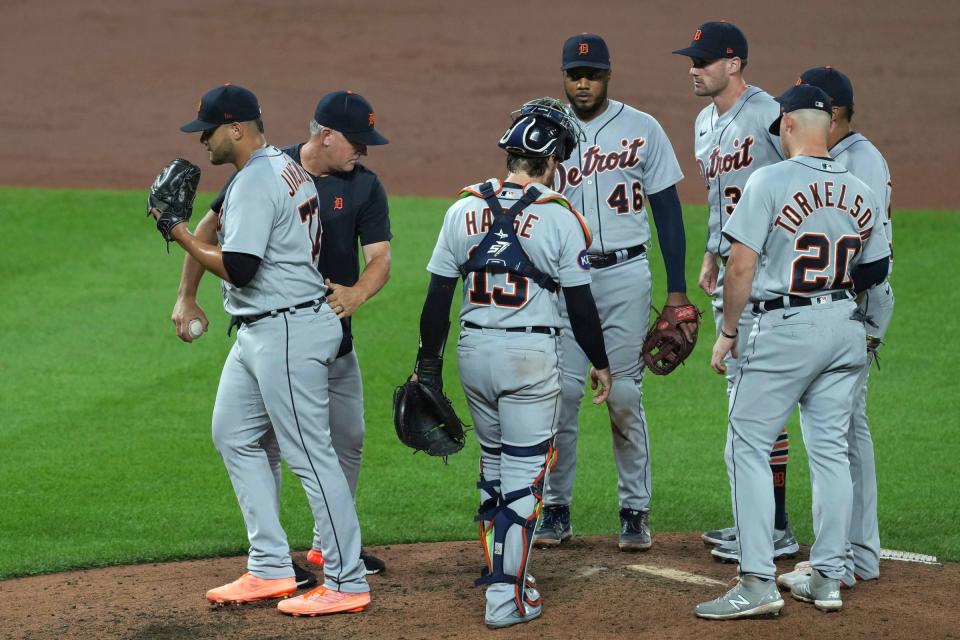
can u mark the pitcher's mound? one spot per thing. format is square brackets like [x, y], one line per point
[590, 590]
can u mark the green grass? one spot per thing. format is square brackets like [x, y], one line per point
[105, 431]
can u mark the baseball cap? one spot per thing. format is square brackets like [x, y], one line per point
[223, 105]
[350, 114]
[834, 83]
[714, 40]
[585, 50]
[801, 96]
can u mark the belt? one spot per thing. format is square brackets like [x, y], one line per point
[553, 331]
[798, 301]
[603, 260]
[316, 302]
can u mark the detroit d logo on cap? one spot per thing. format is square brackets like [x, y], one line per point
[584, 48]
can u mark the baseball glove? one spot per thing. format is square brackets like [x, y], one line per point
[172, 194]
[666, 346]
[424, 418]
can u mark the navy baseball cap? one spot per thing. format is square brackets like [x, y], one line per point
[834, 83]
[223, 105]
[715, 40]
[801, 96]
[350, 114]
[585, 50]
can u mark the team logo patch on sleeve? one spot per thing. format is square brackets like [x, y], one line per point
[582, 261]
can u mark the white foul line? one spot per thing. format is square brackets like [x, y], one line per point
[675, 574]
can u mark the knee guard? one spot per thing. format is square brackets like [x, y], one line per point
[496, 517]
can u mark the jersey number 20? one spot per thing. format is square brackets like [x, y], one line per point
[810, 271]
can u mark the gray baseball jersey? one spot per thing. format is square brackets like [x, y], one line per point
[810, 221]
[511, 378]
[275, 377]
[553, 235]
[804, 251]
[729, 148]
[863, 160]
[625, 156]
[280, 226]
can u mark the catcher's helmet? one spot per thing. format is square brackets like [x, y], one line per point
[542, 128]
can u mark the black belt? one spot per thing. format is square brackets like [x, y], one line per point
[603, 260]
[548, 330]
[797, 301]
[316, 302]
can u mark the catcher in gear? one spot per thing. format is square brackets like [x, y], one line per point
[516, 244]
[669, 342]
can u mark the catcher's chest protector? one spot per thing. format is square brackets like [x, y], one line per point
[500, 249]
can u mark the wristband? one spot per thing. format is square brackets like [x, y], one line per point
[727, 335]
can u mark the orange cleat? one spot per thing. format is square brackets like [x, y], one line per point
[315, 557]
[322, 601]
[250, 588]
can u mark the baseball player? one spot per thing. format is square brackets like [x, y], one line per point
[274, 382]
[623, 160]
[863, 160]
[517, 244]
[805, 237]
[731, 141]
[353, 207]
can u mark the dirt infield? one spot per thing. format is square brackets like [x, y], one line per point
[588, 587]
[94, 92]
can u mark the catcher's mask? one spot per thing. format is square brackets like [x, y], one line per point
[542, 128]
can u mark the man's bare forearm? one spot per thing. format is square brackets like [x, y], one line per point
[375, 275]
[737, 283]
[193, 271]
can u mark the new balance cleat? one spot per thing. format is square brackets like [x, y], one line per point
[250, 588]
[554, 527]
[802, 570]
[323, 601]
[823, 592]
[752, 597]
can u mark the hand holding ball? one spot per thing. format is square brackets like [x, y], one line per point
[196, 328]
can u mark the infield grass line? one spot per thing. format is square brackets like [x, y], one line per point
[107, 456]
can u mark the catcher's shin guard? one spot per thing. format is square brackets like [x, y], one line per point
[489, 503]
[497, 517]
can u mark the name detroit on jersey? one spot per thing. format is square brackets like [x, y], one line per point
[596, 161]
[723, 163]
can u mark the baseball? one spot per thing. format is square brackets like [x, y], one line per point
[196, 328]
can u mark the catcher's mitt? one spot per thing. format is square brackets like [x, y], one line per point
[666, 346]
[425, 420]
[172, 194]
